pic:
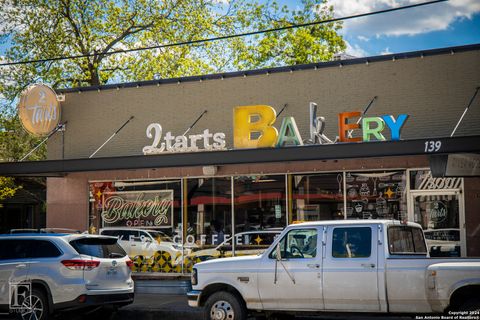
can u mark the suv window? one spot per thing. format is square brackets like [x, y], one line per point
[298, 244]
[98, 247]
[44, 249]
[14, 249]
[406, 240]
[27, 248]
[352, 242]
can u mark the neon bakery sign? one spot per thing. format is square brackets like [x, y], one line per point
[253, 127]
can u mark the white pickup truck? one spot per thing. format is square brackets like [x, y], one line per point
[374, 266]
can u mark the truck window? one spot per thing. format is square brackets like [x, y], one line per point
[352, 242]
[298, 244]
[406, 240]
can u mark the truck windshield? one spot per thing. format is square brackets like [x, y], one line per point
[406, 240]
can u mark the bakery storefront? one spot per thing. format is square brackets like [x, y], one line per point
[175, 167]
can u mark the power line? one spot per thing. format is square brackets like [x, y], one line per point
[252, 33]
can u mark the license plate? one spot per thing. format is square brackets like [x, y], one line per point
[111, 271]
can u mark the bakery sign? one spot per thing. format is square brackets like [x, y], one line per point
[39, 109]
[253, 127]
[138, 209]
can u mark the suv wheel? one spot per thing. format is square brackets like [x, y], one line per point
[224, 306]
[35, 306]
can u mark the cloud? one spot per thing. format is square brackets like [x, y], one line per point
[410, 22]
[386, 51]
[355, 50]
[362, 38]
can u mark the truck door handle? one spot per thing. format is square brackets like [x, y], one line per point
[21, 266]
[313, 266]
[368, 265]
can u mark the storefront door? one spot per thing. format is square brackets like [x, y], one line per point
[440, 213]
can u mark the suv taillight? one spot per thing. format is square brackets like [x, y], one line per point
[129, 264]
[79, 264]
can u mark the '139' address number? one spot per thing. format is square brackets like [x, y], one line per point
[433, 145]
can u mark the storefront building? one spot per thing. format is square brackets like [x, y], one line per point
[265, 155]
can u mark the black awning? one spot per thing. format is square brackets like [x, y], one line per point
[430, 146]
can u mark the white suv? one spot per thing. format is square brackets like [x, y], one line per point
[144, 243]
[44, 273]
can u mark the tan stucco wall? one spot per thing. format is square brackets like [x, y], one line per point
[433, 90]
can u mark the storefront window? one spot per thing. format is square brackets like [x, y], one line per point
[260, 203]
[375, 195]
[317, 197]
[146, 217]
[209, 219]
[436, 207]
[209, 214]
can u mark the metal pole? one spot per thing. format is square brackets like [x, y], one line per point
[363, 114]
[465, 112]
[284, 107]
[195, 122]
[111, 137]
[59, 126]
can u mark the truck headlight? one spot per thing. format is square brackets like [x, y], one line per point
[194, 277]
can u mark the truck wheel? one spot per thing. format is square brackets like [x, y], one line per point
[472, 304]
[224, 306]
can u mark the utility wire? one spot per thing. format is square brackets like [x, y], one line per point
[293, 26]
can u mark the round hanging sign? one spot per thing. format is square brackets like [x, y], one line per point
[39, 109]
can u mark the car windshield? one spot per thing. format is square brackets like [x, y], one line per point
[99, 247]
[160, 235]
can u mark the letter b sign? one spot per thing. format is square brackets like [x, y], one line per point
[252, 127]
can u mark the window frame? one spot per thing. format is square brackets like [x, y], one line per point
[407, 253]
[350, 228]
[272, 252]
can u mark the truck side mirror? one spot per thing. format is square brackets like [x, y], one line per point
[278, 252]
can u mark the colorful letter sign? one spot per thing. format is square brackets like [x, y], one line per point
[344, 126]
[372, 127]
[249, 120]
[253, 128]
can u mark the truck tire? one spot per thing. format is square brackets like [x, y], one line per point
[224, 305]
[472, 304]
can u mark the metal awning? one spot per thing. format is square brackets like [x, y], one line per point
[428, 146]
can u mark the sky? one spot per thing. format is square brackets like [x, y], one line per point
[452, 23]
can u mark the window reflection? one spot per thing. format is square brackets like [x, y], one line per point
[376, 195]
[209, 213]
[317, 197]
[260, 202]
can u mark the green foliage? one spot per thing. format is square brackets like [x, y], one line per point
[7, 188]
[54, 28]
[15, 142]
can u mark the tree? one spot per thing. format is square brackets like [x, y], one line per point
[38, 29]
